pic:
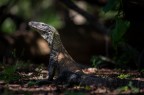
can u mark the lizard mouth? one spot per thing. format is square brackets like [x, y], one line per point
[33, 25]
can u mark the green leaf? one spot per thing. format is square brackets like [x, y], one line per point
[10, 70]
[124, 76]
[8, 26]
[31, 83]
[9, 74]
[110, 5]
[119, 31]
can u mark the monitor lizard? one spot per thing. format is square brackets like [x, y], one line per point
[68, 70]
[60, 60]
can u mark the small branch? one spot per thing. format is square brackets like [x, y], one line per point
[93, 20]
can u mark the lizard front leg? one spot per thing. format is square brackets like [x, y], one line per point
[51, 69]
[53, 62]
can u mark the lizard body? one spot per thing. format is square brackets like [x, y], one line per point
[60, 60]
[62, 63]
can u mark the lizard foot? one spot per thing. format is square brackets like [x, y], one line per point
[43, 82]
[68, 78]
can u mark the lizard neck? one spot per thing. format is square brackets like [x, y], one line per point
[59, 51]
[64, 56]
[60, 55]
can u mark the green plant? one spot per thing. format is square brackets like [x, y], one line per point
[121, 25]
[9, 74]
[127, 88]
[123, 52]
[87, 87]
[31, 83]
[118, 32]
[134, 89]
[96, 60]
[8, 26]
[112, 5]
[123, 76]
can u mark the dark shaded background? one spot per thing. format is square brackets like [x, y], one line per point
[83, 25]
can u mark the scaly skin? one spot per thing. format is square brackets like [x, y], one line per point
[63, 64]
[60, 60]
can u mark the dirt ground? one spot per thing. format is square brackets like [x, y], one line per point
[25, 86]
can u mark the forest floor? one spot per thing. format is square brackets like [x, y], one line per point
[26, 85]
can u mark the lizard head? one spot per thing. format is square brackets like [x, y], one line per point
[45, 30]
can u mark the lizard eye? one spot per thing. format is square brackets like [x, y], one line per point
[43, 24]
